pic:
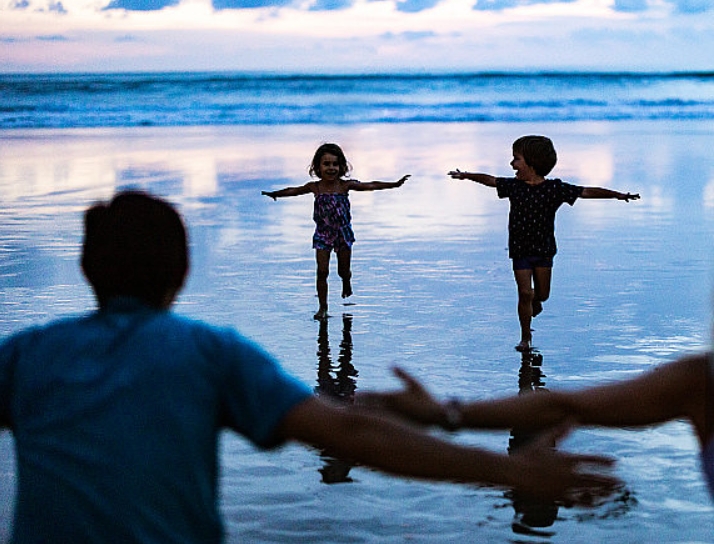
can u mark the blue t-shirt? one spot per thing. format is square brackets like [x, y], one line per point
[708, 449]
[531, 219]
[116, 418]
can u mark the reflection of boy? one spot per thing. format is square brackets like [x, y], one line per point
[116, 414]
[534, 201]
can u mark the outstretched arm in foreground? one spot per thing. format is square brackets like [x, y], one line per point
[484, 179]
[672, 391]
[383, 443]
[378, 185]
[600, 192]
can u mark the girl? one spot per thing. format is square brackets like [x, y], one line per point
[331, 213]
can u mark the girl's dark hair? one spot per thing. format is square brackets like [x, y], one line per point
[331, 149]
[538, 152]
[136, 245]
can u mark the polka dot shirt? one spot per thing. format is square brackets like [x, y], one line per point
[531, 219]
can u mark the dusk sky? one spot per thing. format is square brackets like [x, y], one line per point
[355, 36]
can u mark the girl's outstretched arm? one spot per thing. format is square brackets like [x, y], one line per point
[675, 390]
[377, 185]
[290, 191]
[484, 179]
[600, 192]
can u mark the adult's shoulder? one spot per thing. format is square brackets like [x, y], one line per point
[210, 336]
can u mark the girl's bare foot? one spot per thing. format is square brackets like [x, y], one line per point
[537, 307]
[321, 314]
[524, 345]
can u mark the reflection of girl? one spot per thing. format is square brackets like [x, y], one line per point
[333, 228]
[681, 389]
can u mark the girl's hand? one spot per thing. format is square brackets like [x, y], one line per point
[270, 194]
[457, 174]
[401, 180]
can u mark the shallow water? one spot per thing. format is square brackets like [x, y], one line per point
[433, 292]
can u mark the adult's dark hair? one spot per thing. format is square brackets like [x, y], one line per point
[331, 149]
[538, 152]
[136, 245]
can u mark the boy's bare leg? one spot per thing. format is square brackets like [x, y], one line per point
[344, 269]
[541, 288]
[524, 279]
[322, 256]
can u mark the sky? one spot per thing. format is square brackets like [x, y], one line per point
[355, 36]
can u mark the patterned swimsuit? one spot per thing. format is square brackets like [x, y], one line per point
[332, 217]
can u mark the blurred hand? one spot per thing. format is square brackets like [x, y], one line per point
[413, 402]
[572, 479]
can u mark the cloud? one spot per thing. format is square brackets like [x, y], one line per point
[498, 5]
[57, 7]
[330, 5]
[52, 38]
[692, 6]
[248, 4]
[631, 6]
[141, 5]
[415, 6]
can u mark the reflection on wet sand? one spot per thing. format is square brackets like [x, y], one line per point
[338, 382]
[531, 515]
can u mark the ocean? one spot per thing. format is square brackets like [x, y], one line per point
[194, 99]
[434, 291]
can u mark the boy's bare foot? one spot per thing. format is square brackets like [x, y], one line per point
[321, 314]
[524, 345]
[537, 307]
[346, 288]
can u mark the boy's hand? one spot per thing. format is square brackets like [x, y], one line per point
[457, 174]
[629, 196]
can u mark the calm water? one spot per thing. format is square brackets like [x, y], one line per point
[433, 292]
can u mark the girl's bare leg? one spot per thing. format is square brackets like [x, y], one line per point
[322, 257]
[344, 269]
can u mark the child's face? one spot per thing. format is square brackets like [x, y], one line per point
[524, 172]
[329, 167]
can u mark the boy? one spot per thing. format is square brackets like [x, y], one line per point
[534, 200]
[116, 414]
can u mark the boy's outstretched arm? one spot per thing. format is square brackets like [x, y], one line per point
[290, 191]
[600, 192]
[483, 179]
[377, 185]
[370, 438]
[675, 390]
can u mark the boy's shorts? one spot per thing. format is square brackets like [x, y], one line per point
[529, 263]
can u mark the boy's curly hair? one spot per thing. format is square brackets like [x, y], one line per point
[538, 152]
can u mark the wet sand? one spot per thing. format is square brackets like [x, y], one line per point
[433, 292]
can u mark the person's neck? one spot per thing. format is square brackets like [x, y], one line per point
[536, 180]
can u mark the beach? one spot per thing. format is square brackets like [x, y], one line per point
[434, 293]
